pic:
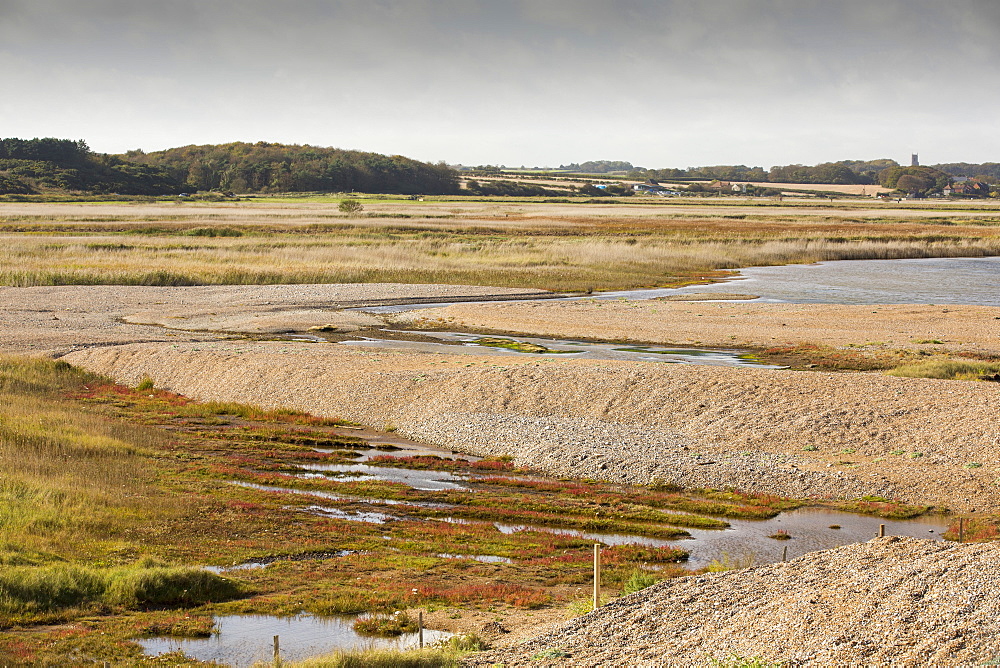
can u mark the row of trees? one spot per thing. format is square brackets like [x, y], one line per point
[844, 172]
[884, 172]
[598, 166]
[30, 166]
[267, 167]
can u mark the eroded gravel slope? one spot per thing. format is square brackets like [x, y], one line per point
[889, 602]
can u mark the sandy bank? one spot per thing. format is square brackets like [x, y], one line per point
[757, 325]
[892, 601]
[867, 434]
[55, 320]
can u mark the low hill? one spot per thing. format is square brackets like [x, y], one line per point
[47, 166]
[266, 167]
[891, 601]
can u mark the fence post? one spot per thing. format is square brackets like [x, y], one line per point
[784, 553]
[597, 575]
[420, 627]
[881, 530]
[961, 530]
[277, 652]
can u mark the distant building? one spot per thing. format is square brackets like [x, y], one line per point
[914, 160]
[969, 188]
[649, 186]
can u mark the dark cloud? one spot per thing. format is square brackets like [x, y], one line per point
[534, 81]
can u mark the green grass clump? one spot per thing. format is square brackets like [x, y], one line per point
[947, 370]
[445, 654]
[510, 344]
[728, 562]
[39, 589]
[386, 626]
[638, 581]
[736, 661]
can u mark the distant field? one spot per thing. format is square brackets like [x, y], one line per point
[608, 244]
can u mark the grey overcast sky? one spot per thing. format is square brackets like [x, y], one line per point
[660, 83]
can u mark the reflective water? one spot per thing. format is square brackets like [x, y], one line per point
[338, 497]
[923, 281]
[435, 481]
[371, 517]
[916, 281]
[565, 349]
[379, 443]
[808, 528]
[250, 565]
[485, 558]
[244, 640]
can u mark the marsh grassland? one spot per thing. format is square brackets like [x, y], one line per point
[114, 499]
[547, 245]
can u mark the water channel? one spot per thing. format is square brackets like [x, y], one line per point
[464, 343]
[973, 281]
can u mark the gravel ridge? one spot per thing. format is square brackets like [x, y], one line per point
[891, 601]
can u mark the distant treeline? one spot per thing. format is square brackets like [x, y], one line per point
[598, 166]
[265, 167]
[838, 173]
[984, 171]
[884, 172]
[32, 166]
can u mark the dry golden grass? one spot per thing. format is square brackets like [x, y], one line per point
[71, 481]
[508, 244]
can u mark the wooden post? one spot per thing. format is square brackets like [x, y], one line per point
[784, 553]
[881, 530]
[597, 576]
[961, 530]
[277, 652]
[420, 627]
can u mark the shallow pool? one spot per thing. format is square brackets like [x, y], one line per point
[243, 640]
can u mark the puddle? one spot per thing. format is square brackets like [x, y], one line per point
[244, 640]
[353, 516]
[464, 343]
[250, 565]
[378, 443]
[809, 529]
[605, 538]
[425, 480]
[340, 497]
[485, 558]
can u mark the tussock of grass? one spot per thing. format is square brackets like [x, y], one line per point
[387, 626]
[28, 590]
[637, 581]
[947, 370]
[731, 562]
[446, 654]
